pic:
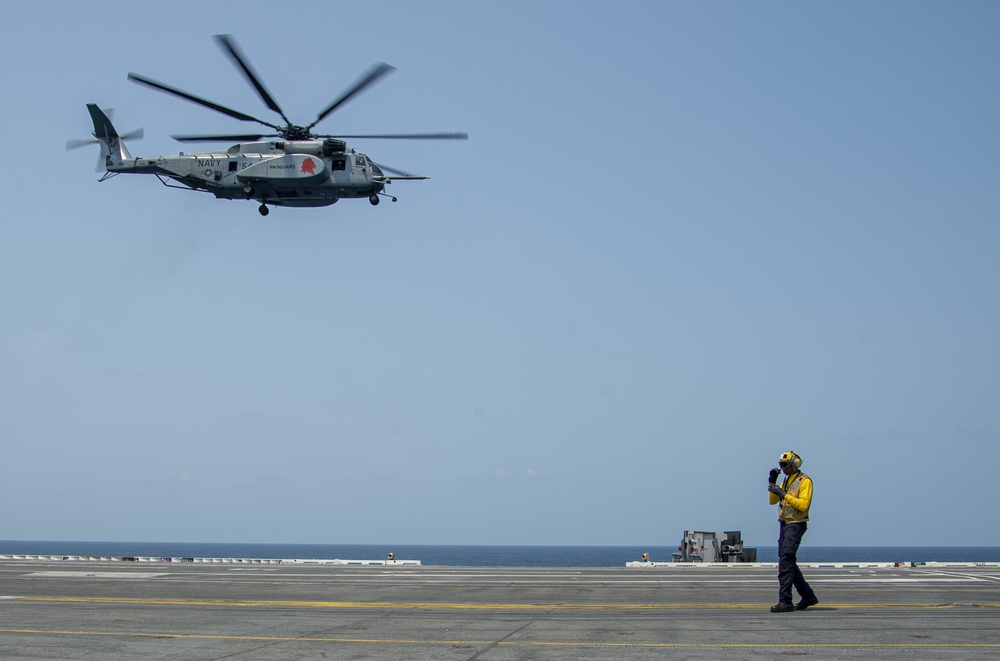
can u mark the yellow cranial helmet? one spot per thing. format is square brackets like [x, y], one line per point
[790, 457]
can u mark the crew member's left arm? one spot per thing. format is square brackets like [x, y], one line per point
[802, 501]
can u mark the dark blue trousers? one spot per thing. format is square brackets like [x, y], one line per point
[789, 538]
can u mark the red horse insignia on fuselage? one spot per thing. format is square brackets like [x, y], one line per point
[308, 166]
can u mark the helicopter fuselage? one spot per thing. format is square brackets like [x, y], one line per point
[298, 168]
[301, 173]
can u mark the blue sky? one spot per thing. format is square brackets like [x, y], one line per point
[682, 238]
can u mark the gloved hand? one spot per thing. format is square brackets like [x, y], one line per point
[772, 477]
[776, 490]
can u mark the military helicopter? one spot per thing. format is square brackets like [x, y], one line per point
[297, 168]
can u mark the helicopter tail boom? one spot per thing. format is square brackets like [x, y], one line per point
[113, 150]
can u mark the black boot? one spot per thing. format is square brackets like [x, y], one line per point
[806, 603]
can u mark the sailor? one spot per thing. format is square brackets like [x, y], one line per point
[793, 498]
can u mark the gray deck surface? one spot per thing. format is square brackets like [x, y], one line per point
[121, 610]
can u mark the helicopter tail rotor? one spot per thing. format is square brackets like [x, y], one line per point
[113, 150]
[76, 144]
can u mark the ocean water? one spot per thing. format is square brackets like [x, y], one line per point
[485, 556]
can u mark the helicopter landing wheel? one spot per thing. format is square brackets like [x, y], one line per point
[263, 210]
[374, 200]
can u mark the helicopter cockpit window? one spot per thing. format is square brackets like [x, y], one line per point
[360, 161]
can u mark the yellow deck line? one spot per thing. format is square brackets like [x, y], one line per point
[253, 603]
[509, 643]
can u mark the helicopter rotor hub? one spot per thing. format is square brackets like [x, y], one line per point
[292, 132]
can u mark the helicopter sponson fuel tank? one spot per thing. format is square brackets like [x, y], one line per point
[295, 170]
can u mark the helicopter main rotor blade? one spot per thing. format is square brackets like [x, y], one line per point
[405, 136]
[142, 80]
[400, 174]
[221, 138]
[373, 75]
[229, 45]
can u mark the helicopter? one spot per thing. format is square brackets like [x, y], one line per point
[290, 167]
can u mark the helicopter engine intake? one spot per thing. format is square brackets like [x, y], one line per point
[333, 146]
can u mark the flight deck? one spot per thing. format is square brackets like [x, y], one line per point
[79, 609]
